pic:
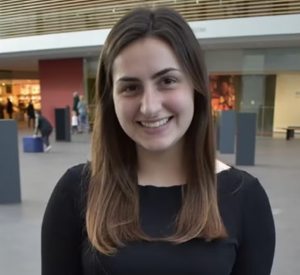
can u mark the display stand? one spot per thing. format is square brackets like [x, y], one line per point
[62, 124]
[10, 186]
[246, 139]
[226, 128]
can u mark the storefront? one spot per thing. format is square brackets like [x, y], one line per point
[261, 81]
[20, 93]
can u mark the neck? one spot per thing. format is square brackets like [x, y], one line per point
[164, 168]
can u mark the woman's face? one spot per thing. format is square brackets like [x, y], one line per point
[153, 97]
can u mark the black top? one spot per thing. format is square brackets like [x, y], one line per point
[9, 107]
[243, 204]
[1, 111]
[75, 104]
[30, 110]
[43, 125]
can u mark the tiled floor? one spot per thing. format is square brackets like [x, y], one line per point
[278, 168]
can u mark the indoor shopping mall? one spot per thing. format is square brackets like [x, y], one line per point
[221, 201]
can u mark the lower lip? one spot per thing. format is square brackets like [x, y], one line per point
[157, 130]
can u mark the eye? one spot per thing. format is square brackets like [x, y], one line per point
[131, 89]
[168, 81]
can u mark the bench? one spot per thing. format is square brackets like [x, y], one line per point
[290, 131]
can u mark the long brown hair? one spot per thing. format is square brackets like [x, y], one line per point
[112, 217]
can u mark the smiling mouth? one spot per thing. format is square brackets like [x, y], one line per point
[155, 124]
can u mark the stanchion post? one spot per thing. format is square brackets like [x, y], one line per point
[246, 139]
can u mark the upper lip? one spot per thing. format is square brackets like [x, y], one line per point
[154, 120]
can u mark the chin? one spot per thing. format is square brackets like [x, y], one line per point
[156, 146]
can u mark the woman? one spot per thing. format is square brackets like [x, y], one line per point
[153, 199]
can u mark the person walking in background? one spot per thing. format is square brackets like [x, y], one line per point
[1, 111]
[75, 103]
[82, 110]
[43, 125]
[9, 108]
[30, 114]
[74, 122]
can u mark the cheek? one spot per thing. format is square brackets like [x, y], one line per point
[124, 111]
[181, 103]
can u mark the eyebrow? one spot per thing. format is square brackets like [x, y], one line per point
[156, 75]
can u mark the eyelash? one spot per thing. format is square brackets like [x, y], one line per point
[125, 90]
[173, 80]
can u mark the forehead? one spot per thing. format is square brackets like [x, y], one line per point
[145, 56]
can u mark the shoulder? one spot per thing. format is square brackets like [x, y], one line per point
[70, 192]
[73, 183]
[65, 211]
[241, 195]
[243, 190]
[79, 172]
[238, 182]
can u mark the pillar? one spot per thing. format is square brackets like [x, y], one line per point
[10, 186]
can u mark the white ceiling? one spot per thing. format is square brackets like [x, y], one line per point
[28, 61]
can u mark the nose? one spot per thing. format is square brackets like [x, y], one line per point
[150, 102]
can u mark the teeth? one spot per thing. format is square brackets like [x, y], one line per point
[156, 123]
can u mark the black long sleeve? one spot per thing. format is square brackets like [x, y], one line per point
[256, 250]
[244, 208]
[61, 231]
